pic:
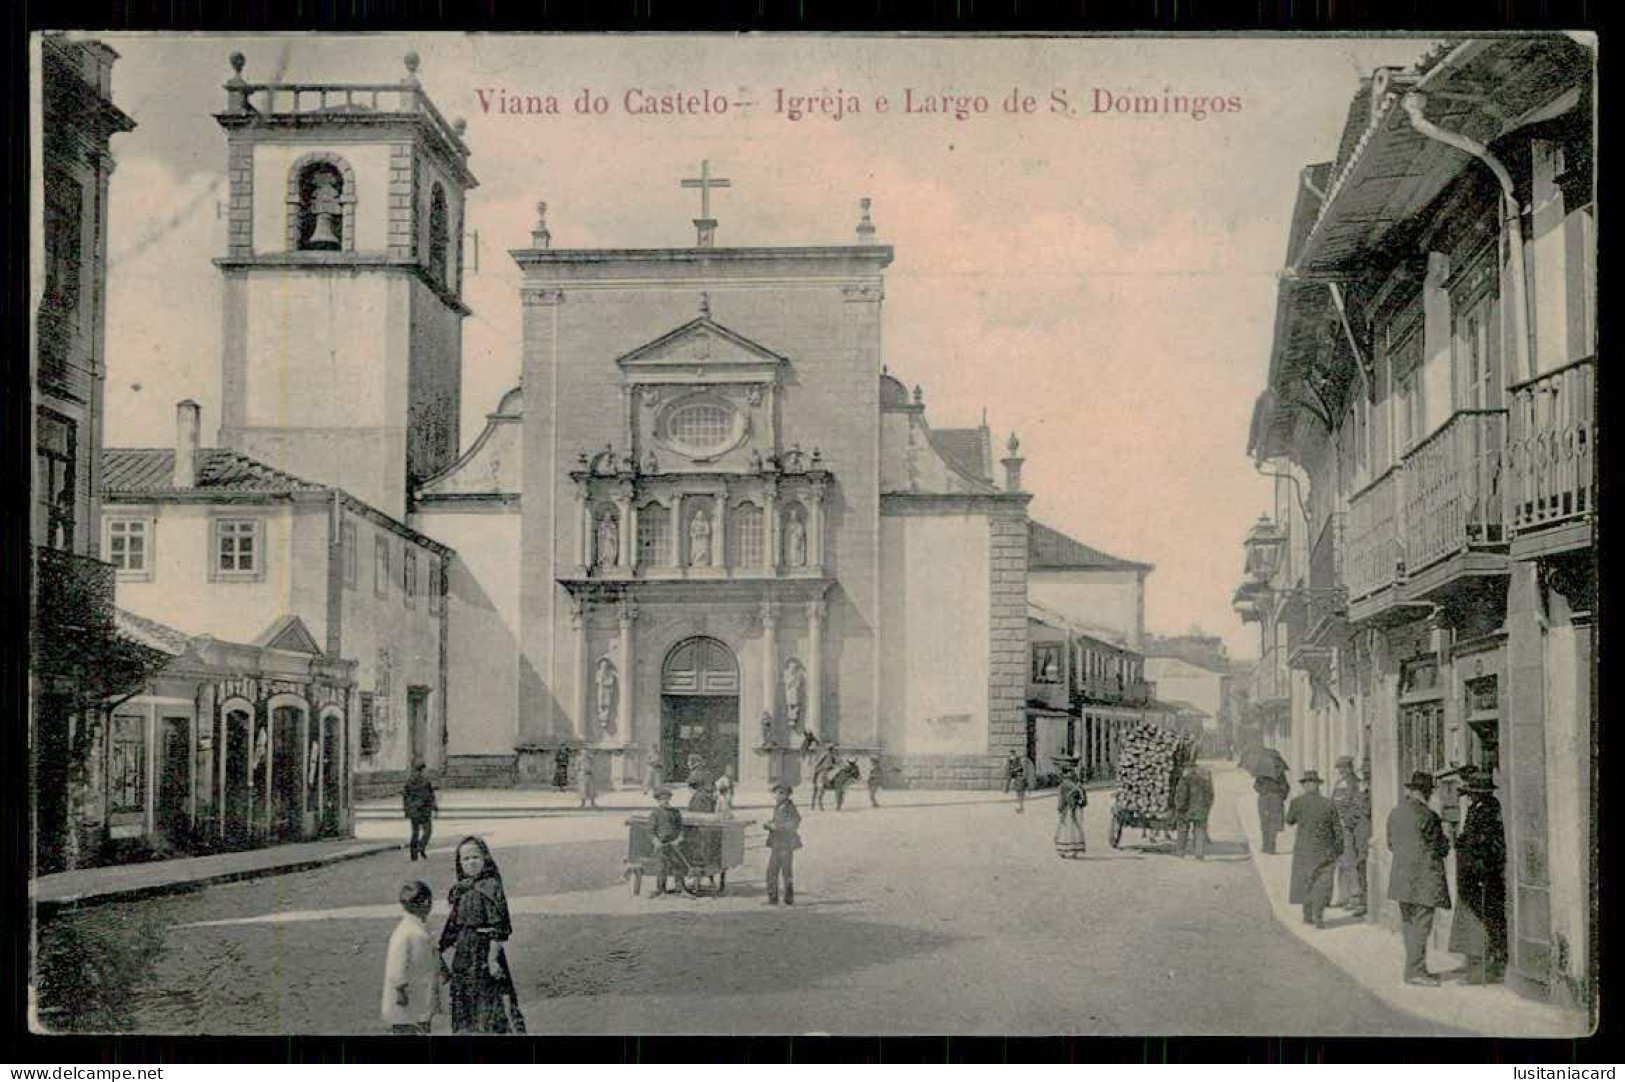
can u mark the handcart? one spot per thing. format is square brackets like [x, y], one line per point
[711, 846]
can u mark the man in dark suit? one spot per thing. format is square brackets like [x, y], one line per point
[1315, 849]
[1272, 788]
[1416, 879]
[418, 801]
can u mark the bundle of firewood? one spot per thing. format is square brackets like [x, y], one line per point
[1148, 767]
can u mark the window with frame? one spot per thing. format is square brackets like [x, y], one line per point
[1405, 361]
[1047, 663]
[127, 764]
[409, 575]
[439, 236]
[56, 451]
[654, 536]
[1421, 738]
[127, 546]
[437, 585]
[237, 548]
[348, 546]
[745, 537]
[380, 569]
[1473, 352]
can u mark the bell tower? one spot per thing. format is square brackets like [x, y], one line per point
[342, 343]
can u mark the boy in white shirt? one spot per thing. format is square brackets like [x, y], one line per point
[412, 971]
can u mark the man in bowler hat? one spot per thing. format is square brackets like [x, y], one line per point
[1416, 879]
[1315, 849]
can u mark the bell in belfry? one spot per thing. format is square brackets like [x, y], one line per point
[324, 203]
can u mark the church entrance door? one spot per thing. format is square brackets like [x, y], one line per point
[699, 708]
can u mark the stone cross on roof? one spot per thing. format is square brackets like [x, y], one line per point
[705, 225]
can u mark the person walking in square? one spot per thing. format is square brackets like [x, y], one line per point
[1416, 878]
[783, 839]
[1479, 930]
[1070, 800]
[1315, 849]
[588, 781]
[666, 828]
[1353, 803]
[1193, 802]
[1272, 789]
[651, 773]
[704, 786]
[1023, 776]
[418, 802]
[877, 776]
[477, 925]
[412, 967]
[725, 796]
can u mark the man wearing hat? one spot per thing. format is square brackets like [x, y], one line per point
[783, 839]
[1416, 878]
[1193, 801]
[1315, 849]
[1271, 787]
[666, 827]
[1480, 928]
[1353, 804]
[704, 784]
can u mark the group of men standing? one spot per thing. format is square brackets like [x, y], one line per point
[1333, 843]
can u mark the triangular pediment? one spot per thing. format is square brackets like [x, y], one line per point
[289, 633]
[702, 348]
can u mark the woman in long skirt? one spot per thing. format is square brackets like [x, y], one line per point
[1070, 801]
[476, 928]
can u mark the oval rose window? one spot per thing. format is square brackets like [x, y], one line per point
[700, 427]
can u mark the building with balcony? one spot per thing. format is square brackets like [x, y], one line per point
[1430, 397]
[78, 658]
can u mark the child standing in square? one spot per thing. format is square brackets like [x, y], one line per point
[412, 968]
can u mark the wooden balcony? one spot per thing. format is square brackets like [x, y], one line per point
[1375, 562]
[1454, 523]
[1550, 449]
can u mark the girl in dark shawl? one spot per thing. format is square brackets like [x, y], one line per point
[476, 927]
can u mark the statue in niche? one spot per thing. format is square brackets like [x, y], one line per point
[699, 540]
[609, 541]
[795, 542]
[607, 684]
[793, 678]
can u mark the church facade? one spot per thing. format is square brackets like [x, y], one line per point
[730, 528]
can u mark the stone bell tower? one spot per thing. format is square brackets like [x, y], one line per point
[342, 344]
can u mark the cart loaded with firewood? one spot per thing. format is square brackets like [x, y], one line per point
[1148, 768]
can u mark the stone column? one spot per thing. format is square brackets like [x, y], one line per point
[578, 628]
[623, 705]
[624, 559]
[814, 721]
[719, 529]
[815, 527]
[631, 538]
[770, 526]
[770, 657]
[677, 528]
[584, 534]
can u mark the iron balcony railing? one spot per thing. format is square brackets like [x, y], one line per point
[1551, 443]
[1376, 551]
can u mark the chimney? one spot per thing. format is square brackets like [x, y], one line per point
[187, 422]
[1012, 465]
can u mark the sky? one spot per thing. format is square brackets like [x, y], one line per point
[1101, 282]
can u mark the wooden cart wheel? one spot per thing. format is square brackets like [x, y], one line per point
[1117, 830]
